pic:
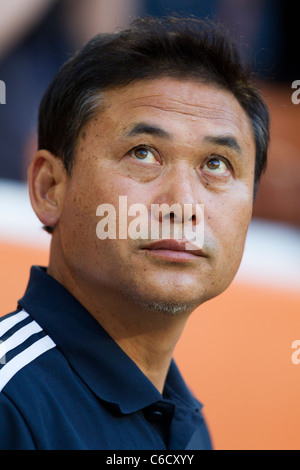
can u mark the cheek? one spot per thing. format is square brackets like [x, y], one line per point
[76, 226]
[229, 226]
[78, 221]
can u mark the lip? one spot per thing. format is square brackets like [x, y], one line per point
[174, 249]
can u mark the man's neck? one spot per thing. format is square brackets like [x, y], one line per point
[148, 337]
[150, 345]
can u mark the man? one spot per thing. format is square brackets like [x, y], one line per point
[162, 114]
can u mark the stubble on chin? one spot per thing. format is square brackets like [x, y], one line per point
[164, 307]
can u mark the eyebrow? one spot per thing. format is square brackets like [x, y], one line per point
[143, 128]
[224, 141]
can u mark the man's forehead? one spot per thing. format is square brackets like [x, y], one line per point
[182, 98]
[175, 92]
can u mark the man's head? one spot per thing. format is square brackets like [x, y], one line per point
[163, 112]
[151, 48]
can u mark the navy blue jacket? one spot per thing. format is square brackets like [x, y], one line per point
[65, 384]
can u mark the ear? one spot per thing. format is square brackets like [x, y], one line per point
[47, 180]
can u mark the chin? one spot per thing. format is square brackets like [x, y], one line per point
[165, 307]
[173, 304]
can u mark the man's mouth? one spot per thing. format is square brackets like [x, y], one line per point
[174, 250]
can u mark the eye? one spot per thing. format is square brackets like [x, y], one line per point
[217, 165]
[144, 154]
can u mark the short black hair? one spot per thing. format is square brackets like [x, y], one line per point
[177, 47]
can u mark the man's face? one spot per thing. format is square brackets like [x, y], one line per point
[161, 141]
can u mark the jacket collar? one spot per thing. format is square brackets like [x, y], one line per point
[91, 352]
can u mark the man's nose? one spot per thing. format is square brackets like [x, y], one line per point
[179, 196]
